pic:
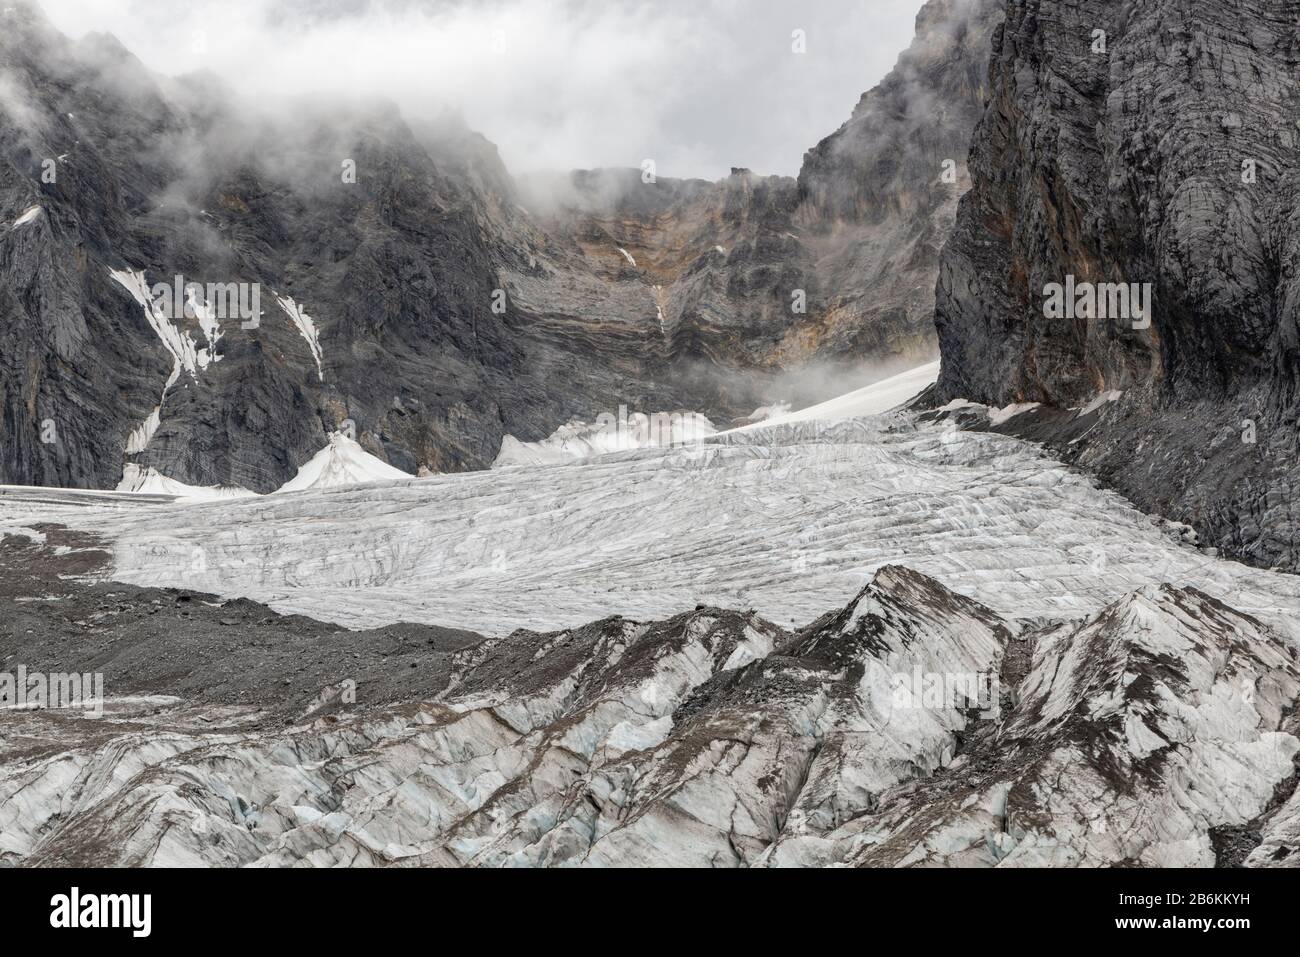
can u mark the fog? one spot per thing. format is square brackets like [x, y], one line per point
[699, 86]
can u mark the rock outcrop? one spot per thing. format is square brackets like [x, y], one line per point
[1150, 146]
[856, 237]
[879, 196]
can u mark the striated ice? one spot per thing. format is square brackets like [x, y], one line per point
[787, 520]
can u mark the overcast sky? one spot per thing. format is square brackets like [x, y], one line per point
[697, 85]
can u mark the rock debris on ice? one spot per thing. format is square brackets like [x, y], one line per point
[716, 739]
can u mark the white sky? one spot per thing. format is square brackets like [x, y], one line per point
[697, 85]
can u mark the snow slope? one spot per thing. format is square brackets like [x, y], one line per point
[874, 399]
[580, 440]
[150, 481]
[341, 463]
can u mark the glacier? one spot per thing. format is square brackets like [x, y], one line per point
[782, 519]
[1143, 690]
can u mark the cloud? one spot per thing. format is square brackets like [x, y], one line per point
[17, 107]
[697, 85]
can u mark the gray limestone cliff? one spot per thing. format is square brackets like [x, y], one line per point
[1130, 147]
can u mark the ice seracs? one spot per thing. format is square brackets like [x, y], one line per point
[1136, 738]
[1139, 736]
[581, 440]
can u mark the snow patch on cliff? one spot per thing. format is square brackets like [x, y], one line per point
[30, 216]
[306, 327]
[211, 327]
[180, 345]
[143, 433]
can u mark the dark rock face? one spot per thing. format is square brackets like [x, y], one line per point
[398, 269]
[447, 311]
[713, 266]
[879, 196]
[1142, 143]
[144, 179]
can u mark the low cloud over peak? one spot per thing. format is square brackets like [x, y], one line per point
[699, 86]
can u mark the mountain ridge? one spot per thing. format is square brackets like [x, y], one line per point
[446, 315]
